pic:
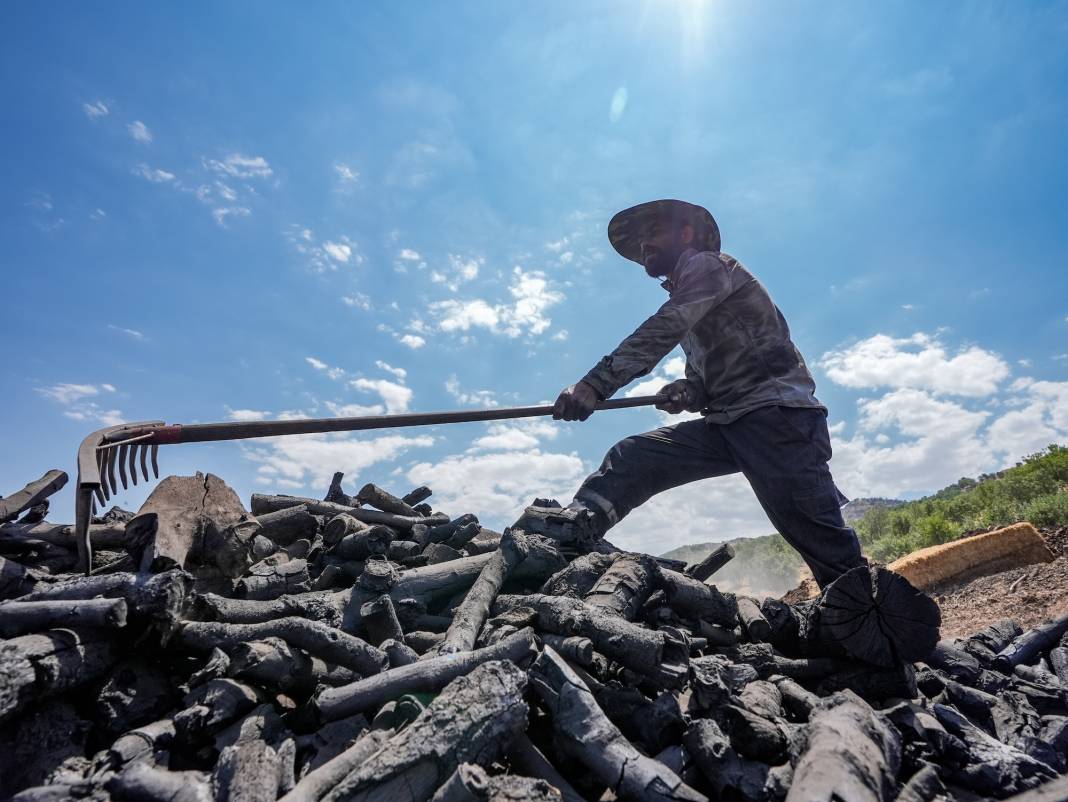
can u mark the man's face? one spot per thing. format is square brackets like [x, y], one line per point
[662, 245]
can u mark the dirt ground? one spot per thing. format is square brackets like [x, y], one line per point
[1029, 595]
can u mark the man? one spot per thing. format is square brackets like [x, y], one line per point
[743, 373]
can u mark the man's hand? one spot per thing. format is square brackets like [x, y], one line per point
[576, 402]
[680, 397]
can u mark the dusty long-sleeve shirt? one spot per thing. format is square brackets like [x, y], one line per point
[739, 355]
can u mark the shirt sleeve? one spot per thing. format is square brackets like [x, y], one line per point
[700, 286]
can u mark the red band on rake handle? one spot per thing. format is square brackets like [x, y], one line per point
[166, 435]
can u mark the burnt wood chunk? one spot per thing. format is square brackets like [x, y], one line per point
[375, 496]
[288, 525]
[190, 521]
[587, 735]
[463, 535]
[950, 659]
[248, 771]
[730, 775]
[372, 541]
[437, 553]
[17, 579]
[1027, 647]
[263, 504]
[753, 621]
[317, 782]
[19, 617]
[635, 647]
[625, 586]
[33, 493]
[336, 494]
[850, 752]
[417, 495]
[877, 616]
[317, 639]
[142, 781]
[35, 667]
[153, 598]
[1058, 658]
[472, 613]
[694, 599]
[379, 618]
[134, 694]
[530, 760]
[987, 642]
[923, 786]
[994, 769]
[472, 720]
[797, 701]
[716, 559]
[425, 676]
[340, 526]
[267, 580]
[578, 577]
[470, 783]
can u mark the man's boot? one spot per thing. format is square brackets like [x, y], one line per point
[576, 523]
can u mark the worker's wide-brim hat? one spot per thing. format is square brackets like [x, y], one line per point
[627, 229]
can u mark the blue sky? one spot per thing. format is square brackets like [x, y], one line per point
[265, 210]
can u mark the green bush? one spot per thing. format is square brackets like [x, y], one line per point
[1048, 510]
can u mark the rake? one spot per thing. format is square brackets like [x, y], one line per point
[129, 446]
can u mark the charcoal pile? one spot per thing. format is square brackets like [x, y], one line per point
[370, 647]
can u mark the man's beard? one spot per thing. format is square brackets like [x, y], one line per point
[662, 264]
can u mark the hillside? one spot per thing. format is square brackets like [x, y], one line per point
[1035, 489]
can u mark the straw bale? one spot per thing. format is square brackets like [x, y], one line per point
[980, 555]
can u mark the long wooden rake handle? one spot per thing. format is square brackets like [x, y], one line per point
[129, 446]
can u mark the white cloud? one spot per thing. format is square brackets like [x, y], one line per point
[139, 131]
[531, 295]
[246, 414]
[497, 486]
[409, 255]
[155, 175]
[1043, 420]
[346, 175]
[97, 214]
[309, 461]
[69, 393]
[480, 398]
[396, 396]
[413, 341]
[358, 300]
[354, 410]
[95, 110]
[238, 165]
[73, 397]
[318, 364]
[225, 191]
[920, 361]
[134, 333]
[618, 104]
[223, 214]
[400, 373]
[338, 251]
[326, 256]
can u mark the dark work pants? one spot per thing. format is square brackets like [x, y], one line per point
[782, 451]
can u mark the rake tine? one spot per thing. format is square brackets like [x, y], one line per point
[133, 465]
[155, 465]
[123, 449]
[144, 456]
[111, 471]
[102, 490]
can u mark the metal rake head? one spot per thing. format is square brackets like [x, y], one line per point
[122, 446]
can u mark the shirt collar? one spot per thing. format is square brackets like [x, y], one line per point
[669, 282]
